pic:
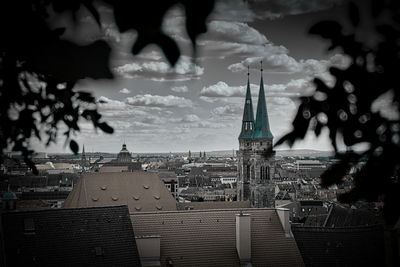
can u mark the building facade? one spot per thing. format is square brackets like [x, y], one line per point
[256, 166]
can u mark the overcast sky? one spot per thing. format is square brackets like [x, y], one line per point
[155, 108]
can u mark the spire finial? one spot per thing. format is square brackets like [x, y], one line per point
[261, 65]
[248, 70]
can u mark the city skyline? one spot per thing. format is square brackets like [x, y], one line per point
[198, 106]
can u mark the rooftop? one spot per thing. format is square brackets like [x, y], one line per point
[208, 237]
[69, 237]
[140, 190]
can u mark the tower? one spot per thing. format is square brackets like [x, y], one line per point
[84, 161]
[124, 156]
[256, 157]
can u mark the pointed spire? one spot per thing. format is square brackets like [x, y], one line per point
[262, 129]
[248, 115]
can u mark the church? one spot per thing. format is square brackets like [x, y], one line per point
[256, 164]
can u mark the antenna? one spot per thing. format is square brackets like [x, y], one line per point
[261, 66]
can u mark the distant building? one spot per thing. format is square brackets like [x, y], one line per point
[124, 156]
[256, 166]
[123, 163]
[303, 164]
[170, 180]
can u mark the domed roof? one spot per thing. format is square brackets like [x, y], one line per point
[9, 196]
[124, 149]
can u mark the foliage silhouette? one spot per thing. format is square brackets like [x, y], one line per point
[38, 69]
[348, 108]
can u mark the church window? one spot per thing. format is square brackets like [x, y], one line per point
[261, 173]
[245, 126]
[260, 143]
[248, 172]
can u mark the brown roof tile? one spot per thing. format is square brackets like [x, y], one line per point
[141, 191]
[208, 237]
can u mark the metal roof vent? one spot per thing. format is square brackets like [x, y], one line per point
[138, 208]
[114, 198]
[157, 197]
[29, 226]
[159, 207]
[104, 187]
[99, 251]
[136, 197]
[145, 186]
[95, 198]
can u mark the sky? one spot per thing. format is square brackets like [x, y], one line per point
[198, 105]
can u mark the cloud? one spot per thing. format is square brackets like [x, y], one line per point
[236, 10]
[124, 91]
[227, 110]
[222, 92]
[190, 118]
[221, 89]
[273, 9]
[229, 38]
[156, 70]
[159, 101]
[230, 31]
[180, 89]
[248, 11]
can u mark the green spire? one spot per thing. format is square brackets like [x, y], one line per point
[262, 130]
[248, 115]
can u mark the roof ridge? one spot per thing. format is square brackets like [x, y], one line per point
[203, 210]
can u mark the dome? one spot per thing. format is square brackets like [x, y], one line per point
[9, 196]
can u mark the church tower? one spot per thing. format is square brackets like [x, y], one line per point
[256, 157]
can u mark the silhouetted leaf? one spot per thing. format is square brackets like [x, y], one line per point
[105, 127]
[328, 29]
[336, 172]
[196, 22]
[74, 146]
[377, 7]
[89, 5]
[354, 14]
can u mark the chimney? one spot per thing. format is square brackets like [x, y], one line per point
[243, 238]
[149, 250]
[283, 214]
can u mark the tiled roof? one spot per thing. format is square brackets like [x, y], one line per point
[70, 237]
[208, 237]
[207, 205]
[350, 246]
[140, 190]
[341, 216]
